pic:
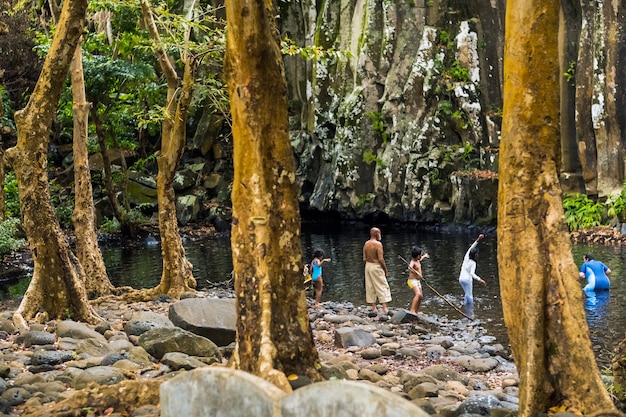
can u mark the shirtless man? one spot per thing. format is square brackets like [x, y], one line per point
[376, 285]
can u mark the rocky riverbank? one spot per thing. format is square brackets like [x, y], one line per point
[64, 368]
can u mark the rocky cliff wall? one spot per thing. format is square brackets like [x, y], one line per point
[416, 106]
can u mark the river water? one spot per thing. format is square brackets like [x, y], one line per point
[141, 267]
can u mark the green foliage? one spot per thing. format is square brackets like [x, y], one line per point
[19, 289]
[445, 40]
[369, 157]
[581, 211]
[570, 73]
[444, 107]
[378, 123]
[434, 177]
[469, 157]
[365, 198]
[313, 53]
[430, 3]
[110, 225]
[8, 240]
[143, 164]
[616, 204]
[135, 216]
[458, 73]
[11, 195]
[7, 109]
[63, 204]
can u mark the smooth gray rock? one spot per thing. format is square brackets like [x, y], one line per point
[346, 399]
[444, 373]
[425, 389]
[476, 364]
[7, 325]
[51, 357]
[334, 372]
[93, 348]
[73, 329]
[213, 318]
[220, 392]
[347, 336]
[177, 360]
[103, 375]
[371, 353]
[404, 316]
[142, 321]
[478, 405]
[158, 342]
[344, 318]
[33, 338]
[15, 396]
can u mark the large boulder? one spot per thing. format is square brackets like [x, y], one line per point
[76, 330]
[142, 321]
[187, 208]
[213, 318]
[160, 341]
[348, 336]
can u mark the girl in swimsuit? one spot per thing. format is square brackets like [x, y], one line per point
[316, 275]
[415, 276]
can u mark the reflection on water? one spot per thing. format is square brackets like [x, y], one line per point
[141, 268]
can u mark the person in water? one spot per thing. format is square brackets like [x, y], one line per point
[376, 285]
[415, 276]
[596, 273]
[316, 273]
[468, 275]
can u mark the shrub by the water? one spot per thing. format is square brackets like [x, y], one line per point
[8, 241]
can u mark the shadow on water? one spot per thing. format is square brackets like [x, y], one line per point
[140, 267]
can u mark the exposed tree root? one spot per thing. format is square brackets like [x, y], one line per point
[121, 398]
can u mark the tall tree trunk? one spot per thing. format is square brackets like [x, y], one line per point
[56, 285]
[273, 333]
[177, 274]
[87, 250]
[541, 295]
[126, 227]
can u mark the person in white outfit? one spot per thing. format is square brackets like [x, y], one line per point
[468, 275]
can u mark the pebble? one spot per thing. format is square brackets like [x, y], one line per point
[444, 365]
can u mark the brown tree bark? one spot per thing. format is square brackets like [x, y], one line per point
[56, 286]
[273, 333]
[541, 295]
[87, 250]
[177, 276]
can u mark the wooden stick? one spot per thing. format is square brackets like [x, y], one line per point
[435, 291]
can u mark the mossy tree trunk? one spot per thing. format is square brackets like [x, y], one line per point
[57, 283]
[87, 250]
[177, 274]
[541, 295]
[274, 338]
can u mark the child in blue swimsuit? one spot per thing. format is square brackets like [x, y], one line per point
[596, 273]
[316, 274]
